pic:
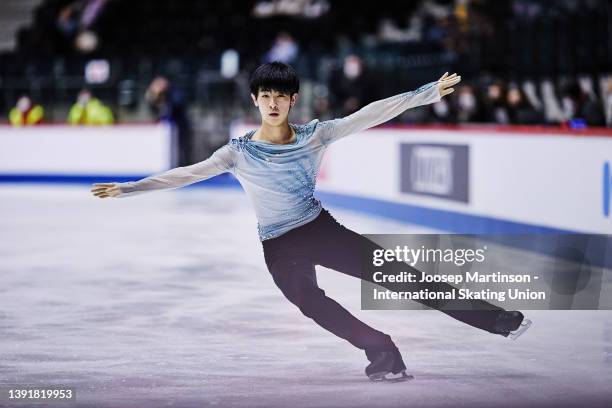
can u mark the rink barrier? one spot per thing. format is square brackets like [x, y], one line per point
[74, 151]
[447, 221]
[558, 181]
[442, 220]
[559, 170]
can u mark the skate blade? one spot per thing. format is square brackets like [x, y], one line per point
[389, 377]
[518, 332]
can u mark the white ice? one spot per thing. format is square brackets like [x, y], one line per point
[182, 312]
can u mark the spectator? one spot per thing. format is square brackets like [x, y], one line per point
[284, 49]
[26, 113]
[75, 21]
[89, 110]
[441, 112]
[468, 109]
[321, 107]
[168, 105]
[494, 106]
[581, 108]
[520, 111]
[352, 87]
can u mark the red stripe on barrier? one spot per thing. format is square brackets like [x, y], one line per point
[531, 130]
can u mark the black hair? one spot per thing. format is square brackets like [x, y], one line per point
[275, 76]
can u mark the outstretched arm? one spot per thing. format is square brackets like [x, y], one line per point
[221, 161]
[386, 109]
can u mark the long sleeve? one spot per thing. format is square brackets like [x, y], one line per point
[378, 112]
[219, 162]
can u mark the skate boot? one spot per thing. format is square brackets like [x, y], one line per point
[386, 365]
[511, 324]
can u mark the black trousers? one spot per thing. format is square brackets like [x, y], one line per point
[291, 259]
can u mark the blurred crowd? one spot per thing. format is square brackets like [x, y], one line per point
[486, 100]
[523, 62]
[573, 103]
[523, 104]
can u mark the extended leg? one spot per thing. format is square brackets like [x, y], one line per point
[339, 248]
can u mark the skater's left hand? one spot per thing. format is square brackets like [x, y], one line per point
[446, 83]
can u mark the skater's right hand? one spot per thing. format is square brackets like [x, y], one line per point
[104, 190]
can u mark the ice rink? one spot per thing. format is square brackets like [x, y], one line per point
[163, 299]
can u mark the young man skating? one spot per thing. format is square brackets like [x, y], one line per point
[277, 166]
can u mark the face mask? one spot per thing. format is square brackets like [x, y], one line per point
[23, 104]
[352, 68]
[467, 101]
[441, 108]
[83, 99]
[494, 93]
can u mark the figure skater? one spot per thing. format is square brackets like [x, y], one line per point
[277, 166]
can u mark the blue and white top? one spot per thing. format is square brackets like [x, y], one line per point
[280, 179]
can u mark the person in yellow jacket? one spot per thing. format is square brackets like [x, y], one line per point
[26, 113]
[88, 110]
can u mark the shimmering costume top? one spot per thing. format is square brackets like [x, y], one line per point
[280, 179]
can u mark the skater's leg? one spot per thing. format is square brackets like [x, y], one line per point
[295, 275]
[340, 248]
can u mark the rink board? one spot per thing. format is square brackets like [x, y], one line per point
[476, 181]
[54, 152]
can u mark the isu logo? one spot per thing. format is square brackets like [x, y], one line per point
[431, 170]
[607, 189]
[435, 170]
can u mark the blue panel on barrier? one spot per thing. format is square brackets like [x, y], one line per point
[450, 221]
[221, 180]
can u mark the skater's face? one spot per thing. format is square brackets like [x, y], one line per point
[274, 106]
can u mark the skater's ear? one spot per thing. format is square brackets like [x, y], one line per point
[254, 98]
[294, 99]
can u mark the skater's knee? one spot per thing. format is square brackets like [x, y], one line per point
[309, 302]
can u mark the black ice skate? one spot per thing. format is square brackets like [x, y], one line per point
[387, 366]
[511, 324]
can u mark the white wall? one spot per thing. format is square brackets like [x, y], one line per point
[546, 180]
[81, 151]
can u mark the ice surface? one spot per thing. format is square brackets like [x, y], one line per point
[181, 311]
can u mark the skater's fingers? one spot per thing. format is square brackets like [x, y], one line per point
[451, 81]
[454, 80]
[451, 77]
[444, 76]
[447, 91]
[104, 184]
